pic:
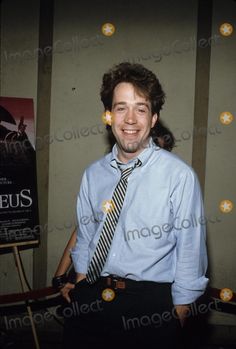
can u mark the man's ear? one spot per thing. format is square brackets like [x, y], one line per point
[155, 118]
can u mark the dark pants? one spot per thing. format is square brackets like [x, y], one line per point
[141, 313]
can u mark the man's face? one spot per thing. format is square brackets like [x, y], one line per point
[132, 120]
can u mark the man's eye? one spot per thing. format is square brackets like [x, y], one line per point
[120, 109]
[141, 110]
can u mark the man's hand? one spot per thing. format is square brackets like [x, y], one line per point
[182, 312]
[64, 291]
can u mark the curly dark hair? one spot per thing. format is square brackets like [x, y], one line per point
[146, 82]
[140, 77]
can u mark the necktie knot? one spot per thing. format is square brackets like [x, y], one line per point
[126, 172]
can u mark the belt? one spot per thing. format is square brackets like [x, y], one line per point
[117, 282]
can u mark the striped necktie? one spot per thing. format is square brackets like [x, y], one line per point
[103, 246]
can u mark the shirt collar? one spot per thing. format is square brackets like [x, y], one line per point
[143, 156]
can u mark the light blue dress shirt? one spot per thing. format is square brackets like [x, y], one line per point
[160, 235]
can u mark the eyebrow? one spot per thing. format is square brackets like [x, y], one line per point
[138, 104]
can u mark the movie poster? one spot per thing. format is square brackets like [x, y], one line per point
[18, 181]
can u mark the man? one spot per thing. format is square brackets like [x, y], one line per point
[141, 265]
[63, 279]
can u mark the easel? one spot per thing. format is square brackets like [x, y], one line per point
[23, 282]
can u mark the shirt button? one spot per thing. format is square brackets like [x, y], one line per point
[113, 255]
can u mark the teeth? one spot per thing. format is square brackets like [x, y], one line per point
[130, 131]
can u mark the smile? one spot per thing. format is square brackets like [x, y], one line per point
[130, 132]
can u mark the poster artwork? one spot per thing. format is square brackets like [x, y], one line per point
[18, 180]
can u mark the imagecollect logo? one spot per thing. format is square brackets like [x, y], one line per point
[158, 320]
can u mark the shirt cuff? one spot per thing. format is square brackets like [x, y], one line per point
[181, 295]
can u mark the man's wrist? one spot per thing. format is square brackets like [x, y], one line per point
[182, 307]
[59, 281]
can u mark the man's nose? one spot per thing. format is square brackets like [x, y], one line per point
[130, 117]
